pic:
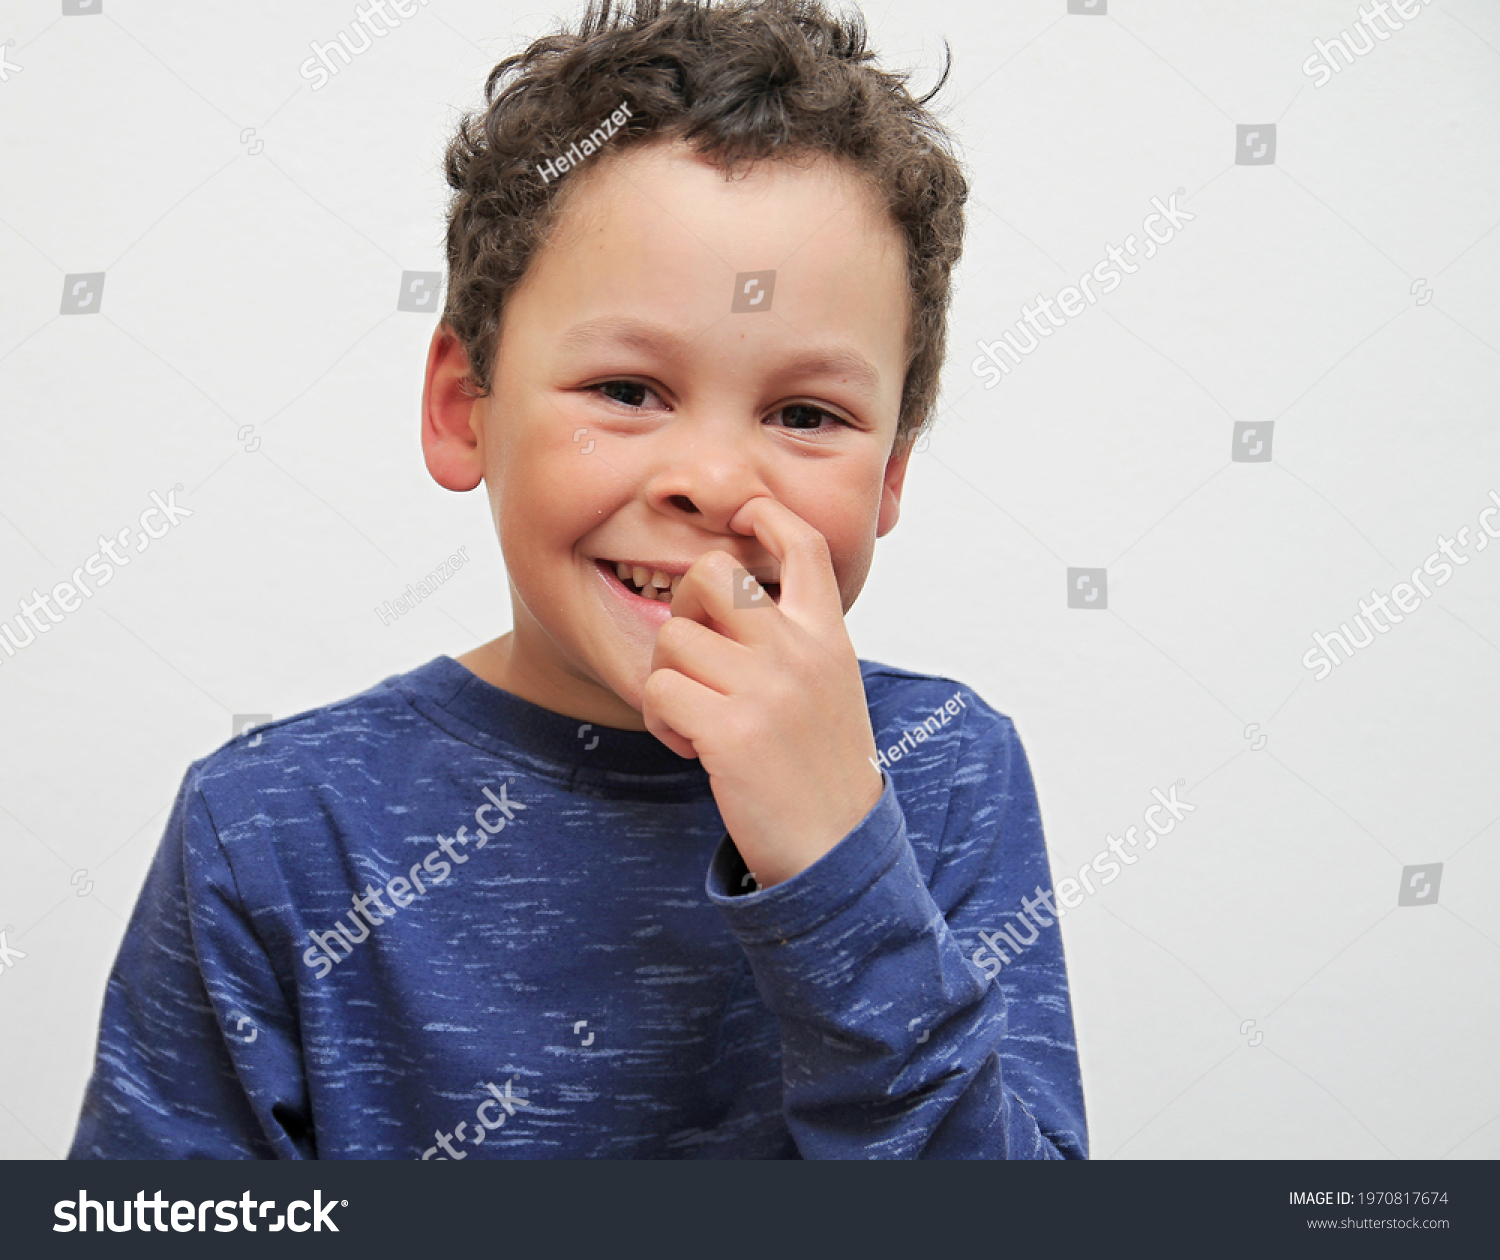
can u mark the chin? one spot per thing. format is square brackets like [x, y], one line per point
[623, 678]
[633, 692]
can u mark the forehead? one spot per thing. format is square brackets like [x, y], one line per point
[791, 212]
[658, 227]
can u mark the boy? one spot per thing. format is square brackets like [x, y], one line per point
[464, 913]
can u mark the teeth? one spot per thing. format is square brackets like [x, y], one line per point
[649, 583]
[676, 582]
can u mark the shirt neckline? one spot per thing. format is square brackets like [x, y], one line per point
[583, 754]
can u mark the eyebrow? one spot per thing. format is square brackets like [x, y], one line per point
[649, 338]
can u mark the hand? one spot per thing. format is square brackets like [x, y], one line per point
[769, 698]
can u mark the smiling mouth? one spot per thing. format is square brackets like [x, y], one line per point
[656, 584]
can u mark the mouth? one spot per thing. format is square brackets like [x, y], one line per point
[657, 582]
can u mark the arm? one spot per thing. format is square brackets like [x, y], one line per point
[859, 957]
[198, 1053]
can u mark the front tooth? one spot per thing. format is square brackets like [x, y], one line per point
[660, 580]
[676, 582]
[622, 570]
[639, 575]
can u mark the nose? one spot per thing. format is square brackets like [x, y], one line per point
[705, 478]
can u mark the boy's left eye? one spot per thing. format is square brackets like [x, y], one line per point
[804, 416]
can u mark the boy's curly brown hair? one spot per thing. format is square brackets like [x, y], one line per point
[739, 81]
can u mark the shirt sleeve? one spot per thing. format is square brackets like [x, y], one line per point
[896, 1044]
[198, 1050]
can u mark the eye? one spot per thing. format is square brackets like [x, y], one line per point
[804, 418]
[626, 393]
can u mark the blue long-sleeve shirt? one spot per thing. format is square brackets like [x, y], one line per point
[439, 921]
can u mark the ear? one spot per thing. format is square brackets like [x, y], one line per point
[451, 418]
[895, 480]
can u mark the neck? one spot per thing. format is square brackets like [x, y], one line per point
[505, 663]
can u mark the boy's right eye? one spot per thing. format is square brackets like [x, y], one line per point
[626, 393]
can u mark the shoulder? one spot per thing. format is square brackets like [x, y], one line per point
[922, 706]
[325, 749]
[947, 749]
[959, 772]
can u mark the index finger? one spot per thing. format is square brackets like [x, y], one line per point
[809, 589]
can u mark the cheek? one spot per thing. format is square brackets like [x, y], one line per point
[847, 520]
[851, 567]
[551, 496]
[843, 506]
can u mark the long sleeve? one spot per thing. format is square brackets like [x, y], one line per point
[895, 1043]
[431, 919]
[198, 1053]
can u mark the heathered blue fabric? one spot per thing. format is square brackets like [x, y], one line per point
[589, 980]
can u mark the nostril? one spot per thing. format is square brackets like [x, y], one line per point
[683, 502]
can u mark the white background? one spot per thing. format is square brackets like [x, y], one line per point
[250, 302]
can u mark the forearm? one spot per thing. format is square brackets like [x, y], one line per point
[893, 1043]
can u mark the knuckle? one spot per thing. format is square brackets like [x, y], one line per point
[811, 543]
[718, 566]
[676, 634]
[751, 727]
[656, 686]
[741, 730]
